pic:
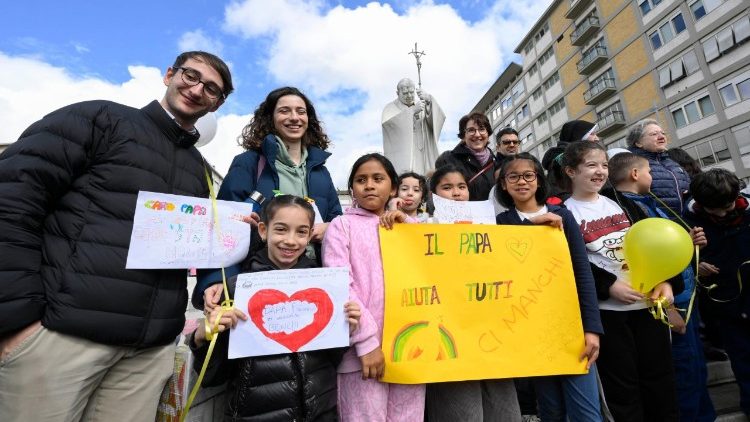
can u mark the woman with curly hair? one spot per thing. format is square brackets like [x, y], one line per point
[286, 152]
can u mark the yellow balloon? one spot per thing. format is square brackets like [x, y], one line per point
[656, 249]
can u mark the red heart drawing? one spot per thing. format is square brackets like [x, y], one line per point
[294, 340]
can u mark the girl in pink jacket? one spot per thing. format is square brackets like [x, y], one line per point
[352, 240]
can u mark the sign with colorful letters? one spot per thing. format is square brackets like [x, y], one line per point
[466, 302]
[174, 231]
[290, 311]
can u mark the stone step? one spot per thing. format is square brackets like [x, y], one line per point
[733, 417]
[719, 372]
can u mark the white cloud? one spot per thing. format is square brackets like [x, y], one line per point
[364, 50]
[198, 40]
[30, 88]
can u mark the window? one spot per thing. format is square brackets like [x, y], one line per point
[545, 56]
[710, 152]
[537, 93]
[527, 49]
[507, 102]
[706, 106]
[533, 69]
[678, 69]
[728, 95]
[556, 107]
[518, 90]
[541, 119]
[667, 31]
[692, 111]
[609, 111]
[744, 89]
[647, 5]
[551, 81]
[523, 112]
[701, 8]
[726, 39]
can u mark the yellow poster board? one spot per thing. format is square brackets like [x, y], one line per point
[466, 302]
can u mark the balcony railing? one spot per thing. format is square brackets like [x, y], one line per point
[600, 89]
[576, 7]
[592, 59]
[611, 122]
[585, 30]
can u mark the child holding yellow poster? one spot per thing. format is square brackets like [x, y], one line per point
[522, 188]
[470, 401]
[352, 241]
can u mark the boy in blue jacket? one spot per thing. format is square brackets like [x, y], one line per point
[725, 216]
[631, 176]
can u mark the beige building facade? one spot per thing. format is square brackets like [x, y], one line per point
[685, 63]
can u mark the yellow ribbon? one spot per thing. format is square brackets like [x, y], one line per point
[658, 309]
[212, 330]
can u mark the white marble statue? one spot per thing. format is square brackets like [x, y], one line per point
[411, 129]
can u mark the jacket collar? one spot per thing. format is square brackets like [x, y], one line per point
[261, 262]
[516, 218]
[169, 127]
[360, 212]
[648, 154]
[315, 155]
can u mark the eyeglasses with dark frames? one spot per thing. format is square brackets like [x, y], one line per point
[192, 77]
[473, 130]
[510, 142]
[528, 176]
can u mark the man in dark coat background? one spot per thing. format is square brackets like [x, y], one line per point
[81, 337]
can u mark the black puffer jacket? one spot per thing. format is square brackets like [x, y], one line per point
[68, 191]
[289, 387]
[461, 157]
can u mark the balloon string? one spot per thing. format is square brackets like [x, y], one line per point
[227, 304]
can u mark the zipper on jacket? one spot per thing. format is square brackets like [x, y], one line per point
[300, 385]
[677, 185]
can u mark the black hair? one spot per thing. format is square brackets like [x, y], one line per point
[262, 122]
[715, 188]
[480, 119]
[621, 164]
[214, 62]
[278, 202]
[420, 179]
[507, 130]
[441, 172]
[386, 163]
[573, 156]
[542, 189]
[688, 163]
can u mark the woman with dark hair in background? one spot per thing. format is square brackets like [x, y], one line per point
[472, 155]
[286, 152]
[688, 163]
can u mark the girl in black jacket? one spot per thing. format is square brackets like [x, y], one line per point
[294, 386]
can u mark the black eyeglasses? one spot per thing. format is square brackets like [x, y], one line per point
[510, 142]
[192, 77]
[528, 176]
[472, 130]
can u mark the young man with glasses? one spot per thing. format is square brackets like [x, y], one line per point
[81, 336]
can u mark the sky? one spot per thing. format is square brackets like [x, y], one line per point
[347, 56]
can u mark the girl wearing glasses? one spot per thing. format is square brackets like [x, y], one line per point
[522, 187]
[472, 155]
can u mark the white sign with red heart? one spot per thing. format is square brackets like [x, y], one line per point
[290, 311]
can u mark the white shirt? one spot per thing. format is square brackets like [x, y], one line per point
[603, 225]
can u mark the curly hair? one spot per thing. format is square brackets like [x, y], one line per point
[262, 125]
